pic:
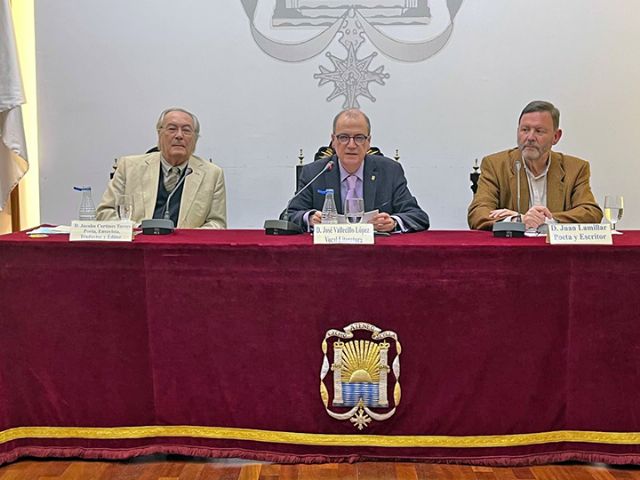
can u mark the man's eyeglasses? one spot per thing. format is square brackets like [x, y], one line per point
[187, 131]
[344, 139]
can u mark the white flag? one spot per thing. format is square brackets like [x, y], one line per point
[13, 146]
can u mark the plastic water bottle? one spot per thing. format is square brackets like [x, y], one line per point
[87, 208]
[329, 210]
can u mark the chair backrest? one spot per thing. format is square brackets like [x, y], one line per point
[328, 151]
[474, 176]
[115, 161]
[151, 150]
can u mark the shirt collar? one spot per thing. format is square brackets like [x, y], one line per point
[544, 172]
[358, 173]
[166, 165]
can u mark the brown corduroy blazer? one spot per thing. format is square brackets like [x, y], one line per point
[569, 196]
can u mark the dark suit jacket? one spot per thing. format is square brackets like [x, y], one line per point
[384, 188]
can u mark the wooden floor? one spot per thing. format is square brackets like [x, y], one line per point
[160, 468]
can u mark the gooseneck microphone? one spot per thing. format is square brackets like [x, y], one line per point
[515, 228]
[518, 168]
[284, 226]
[327, 168]
[164, 225]
[166, 216]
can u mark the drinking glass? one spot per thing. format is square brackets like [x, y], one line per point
[354, 210]
[613, 209]
[124, 207]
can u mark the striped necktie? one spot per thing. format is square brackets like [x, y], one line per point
[171, 178]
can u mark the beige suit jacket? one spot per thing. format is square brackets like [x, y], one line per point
[203, 202]
[569, 196]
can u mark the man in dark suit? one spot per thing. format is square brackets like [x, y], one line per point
[380, 181]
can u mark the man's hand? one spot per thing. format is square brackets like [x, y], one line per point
[536, 216]
[501, 213]
[382, 222]
[316, 218]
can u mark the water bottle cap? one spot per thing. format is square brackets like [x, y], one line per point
[82, 189]
[329, 190]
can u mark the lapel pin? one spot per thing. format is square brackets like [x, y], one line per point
[373, 178]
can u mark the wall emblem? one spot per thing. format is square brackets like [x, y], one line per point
[404, 30]
[361, 382]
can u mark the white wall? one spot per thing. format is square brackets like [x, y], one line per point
[106, 68]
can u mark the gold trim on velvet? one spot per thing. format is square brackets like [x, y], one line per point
[267, 436]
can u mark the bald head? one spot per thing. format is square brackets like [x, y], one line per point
[351, 138]
[354, 114]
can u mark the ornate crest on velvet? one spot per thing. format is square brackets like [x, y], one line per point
[364, 384]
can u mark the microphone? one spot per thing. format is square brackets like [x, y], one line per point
[515, 228]
[518, 168]
[164, 225]
[284, 226]
[166, 216]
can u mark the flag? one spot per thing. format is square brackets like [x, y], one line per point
[13, 146]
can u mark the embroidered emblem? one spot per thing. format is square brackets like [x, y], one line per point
[363, 386]
[402, 30]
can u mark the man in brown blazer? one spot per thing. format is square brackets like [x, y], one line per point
[554, 187]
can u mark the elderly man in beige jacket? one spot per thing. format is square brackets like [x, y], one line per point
[199, 199]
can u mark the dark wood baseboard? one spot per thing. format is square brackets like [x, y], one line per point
[159, 467]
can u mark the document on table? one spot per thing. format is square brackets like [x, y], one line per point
[366, 218]
[60, 229]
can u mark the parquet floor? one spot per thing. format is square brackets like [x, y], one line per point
[160, 468]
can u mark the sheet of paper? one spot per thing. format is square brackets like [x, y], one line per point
[365, 219]
[60, 229]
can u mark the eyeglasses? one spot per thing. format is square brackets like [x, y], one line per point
[344, 139]
[186, 130]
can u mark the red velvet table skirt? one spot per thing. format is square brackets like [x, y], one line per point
[509, 351]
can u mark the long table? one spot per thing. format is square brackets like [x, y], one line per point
[437, 346]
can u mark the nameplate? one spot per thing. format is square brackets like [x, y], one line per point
[101, 231]
[579, 234]
[343, 234]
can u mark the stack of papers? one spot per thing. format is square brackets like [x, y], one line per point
[51, 230]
